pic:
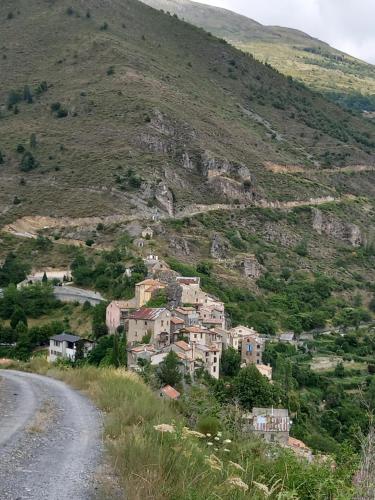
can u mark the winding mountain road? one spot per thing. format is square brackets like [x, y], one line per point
[50, 440]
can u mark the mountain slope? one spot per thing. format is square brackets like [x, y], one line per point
[343, 78]
[142, 111]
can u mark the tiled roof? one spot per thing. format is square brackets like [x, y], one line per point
[183, 345]
[170, 392]
[143, 348]
[185, 280]
[212, 321]
[177, 321]
[185, 310]
[148, 313]
[196, 329]
[125, 304]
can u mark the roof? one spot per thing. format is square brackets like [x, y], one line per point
[296, 443]
[148, 313]
[287, 337]
[268, 423]
[212, 321]
[143, 348]
[196, 329]
[170, 392]
[151, 282]
[66, 337]
[184, 280]
[177, 321]
[183, 345]
[124, 304]
[185, 310]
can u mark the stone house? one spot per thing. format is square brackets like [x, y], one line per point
[208, 357]
[155, 265]
[145, 352]
[117, 313]
[65, 345]
[184, 352]
[189, 315]
[145, 290]
[270, 424]
[212, 316]
[252, 350]
[234, 336]
[191, 292]
[154, 322]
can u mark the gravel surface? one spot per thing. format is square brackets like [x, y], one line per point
[50, 440]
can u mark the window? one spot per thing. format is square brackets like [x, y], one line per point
[214, 369]
[258, 346]
[162, 322]
[145, 323]
[272, 437]
[215, 360]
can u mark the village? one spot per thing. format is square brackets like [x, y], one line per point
[194, 325]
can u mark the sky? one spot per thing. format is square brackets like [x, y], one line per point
[348, 25]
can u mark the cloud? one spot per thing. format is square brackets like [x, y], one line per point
[348, 25]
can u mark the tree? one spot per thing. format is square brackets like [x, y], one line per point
[230, 362]
[18, 316]
[28, 162]
[45, 278]
[1, 157]
[339, 370]
[168, 371]
[253, 389]
[13, 270]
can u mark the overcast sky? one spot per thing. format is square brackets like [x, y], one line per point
[348, 25]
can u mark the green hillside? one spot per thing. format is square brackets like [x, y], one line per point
[345, 79]
[115, 116]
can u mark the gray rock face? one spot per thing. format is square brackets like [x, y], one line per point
[218, 166]
[165, 198]
[219, 247]
[327, 224]
[180, 245]
[242, 192]
[251, 267]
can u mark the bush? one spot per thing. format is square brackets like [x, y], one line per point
[28, 162]
[208, 425]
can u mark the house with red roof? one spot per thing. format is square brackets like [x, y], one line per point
[151, 323]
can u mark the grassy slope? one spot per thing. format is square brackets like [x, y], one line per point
[283, 48]
[198, 83]
[150, 464]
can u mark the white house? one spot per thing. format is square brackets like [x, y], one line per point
[64, 346]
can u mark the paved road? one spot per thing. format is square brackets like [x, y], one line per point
[50, 440]
[68, 293]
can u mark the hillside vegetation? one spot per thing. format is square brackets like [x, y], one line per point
[115, 108]
[343, 78]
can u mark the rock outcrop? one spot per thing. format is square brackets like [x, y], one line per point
[219, 247]
[165, 198]
[251, 267]
[213, 167]
[324, 223]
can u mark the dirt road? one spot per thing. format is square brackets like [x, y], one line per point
[50, 440]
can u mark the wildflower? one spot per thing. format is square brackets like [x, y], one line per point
[214, 462]
[188, 432]
[217, 438]
[226, 450]
[164, 428]
[219, 434]
[210, 444]
[237, 482]
[236, 466]
[262, 487]
[208, 435]
[227, 441]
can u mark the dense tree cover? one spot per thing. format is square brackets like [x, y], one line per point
[30, 301]
[13, 270]
[109, 351]
[19, 342]
[230, 362]
[107, 273]
[168, 371]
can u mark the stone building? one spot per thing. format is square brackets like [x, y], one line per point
[152, 322]
[270, 424]
[252, 350]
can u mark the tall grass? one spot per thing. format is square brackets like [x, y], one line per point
[179, 465]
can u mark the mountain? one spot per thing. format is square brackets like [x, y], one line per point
[116, 116]
[341, 77]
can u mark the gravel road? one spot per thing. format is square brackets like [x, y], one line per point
[50, 440]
